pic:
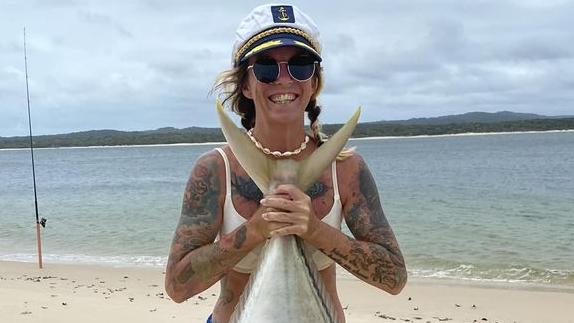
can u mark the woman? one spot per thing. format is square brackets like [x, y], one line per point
[225, 218]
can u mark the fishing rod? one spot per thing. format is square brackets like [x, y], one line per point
[39, 222]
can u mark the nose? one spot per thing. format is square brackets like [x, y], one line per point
[284, 75]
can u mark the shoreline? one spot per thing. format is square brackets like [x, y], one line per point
[158, 263]
[465, 134]
[67, 293]
[342, 275]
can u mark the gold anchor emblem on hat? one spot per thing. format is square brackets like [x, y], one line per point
[283, 14]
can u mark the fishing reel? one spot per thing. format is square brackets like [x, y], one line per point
[43, 222]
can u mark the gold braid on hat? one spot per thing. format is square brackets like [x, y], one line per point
[273, 31]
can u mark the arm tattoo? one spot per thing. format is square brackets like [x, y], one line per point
[369, 204]
[240, 237]
[374, 255]
[202, 264]
[200, 201]
[227, 295]
[246, 188]
[197, 226]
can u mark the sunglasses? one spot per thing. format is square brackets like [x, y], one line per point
[301, 68]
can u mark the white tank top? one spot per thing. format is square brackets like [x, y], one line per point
[232, 219]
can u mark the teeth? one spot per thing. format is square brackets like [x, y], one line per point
[282, 98]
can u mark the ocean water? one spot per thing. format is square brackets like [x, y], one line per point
[492, 208]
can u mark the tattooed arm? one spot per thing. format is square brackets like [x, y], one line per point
[373, 255]
[196, 262]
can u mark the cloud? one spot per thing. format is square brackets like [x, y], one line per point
[105, 21]
[147, 64]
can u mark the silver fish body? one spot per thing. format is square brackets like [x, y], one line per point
[284, 289]
[286, 285]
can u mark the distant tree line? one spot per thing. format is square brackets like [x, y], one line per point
[382, 129]
[200, 135]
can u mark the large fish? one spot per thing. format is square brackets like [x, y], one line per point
[286, 285]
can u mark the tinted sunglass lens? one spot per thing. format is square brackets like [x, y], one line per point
[266, 70]
[301, 68]
[302, 72]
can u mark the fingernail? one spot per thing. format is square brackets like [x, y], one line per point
[263, 201]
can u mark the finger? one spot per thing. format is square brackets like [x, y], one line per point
[280, 195]
[272, 226]
[279, 217]
[291, 229]
[292, 190]
[278, 203]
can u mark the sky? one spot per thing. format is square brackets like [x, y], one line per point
[147, 64]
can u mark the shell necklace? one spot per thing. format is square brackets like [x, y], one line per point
[267, 151]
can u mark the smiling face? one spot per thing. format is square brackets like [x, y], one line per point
[284, 100]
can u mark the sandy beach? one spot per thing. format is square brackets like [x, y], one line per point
[72, 293]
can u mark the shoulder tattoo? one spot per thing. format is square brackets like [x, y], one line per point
[200, 200]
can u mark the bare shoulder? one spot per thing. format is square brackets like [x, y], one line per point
[212, 157]
[349, 172]
[204, 192]
[351, 162]
[209, 166]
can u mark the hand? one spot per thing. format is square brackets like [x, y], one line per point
[289, 212]
[263, 227]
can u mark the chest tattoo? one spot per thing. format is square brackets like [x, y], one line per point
[316, 190]
[246, 188]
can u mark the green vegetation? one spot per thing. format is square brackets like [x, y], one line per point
[394, 129]
[197, 135]
[117, 138]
